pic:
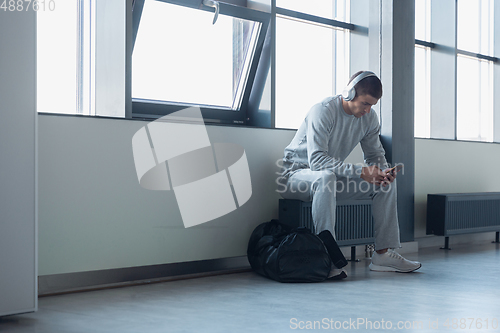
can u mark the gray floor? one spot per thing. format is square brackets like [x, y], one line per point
[461, 284]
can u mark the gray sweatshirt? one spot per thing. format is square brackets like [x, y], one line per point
[328, 135]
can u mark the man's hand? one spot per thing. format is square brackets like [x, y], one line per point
[373, 174]
[391, 174]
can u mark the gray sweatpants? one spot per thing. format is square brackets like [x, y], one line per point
[323, 188]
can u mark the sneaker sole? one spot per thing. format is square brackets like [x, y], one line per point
[341, 276]
[378, 268]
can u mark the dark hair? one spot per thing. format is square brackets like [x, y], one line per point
[370, 85]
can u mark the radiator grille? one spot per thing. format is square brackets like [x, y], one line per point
[306, 217]
[462, 213]
[468, 214]
[354, 221]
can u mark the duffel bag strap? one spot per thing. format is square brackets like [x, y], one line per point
[333, 249]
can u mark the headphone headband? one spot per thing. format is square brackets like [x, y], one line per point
[350, 92]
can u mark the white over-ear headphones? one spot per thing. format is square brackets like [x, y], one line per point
[349, 92]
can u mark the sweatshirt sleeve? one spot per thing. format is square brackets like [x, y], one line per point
[320, 124]
[373, 151]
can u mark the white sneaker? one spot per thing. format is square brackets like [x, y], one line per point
[392, 261]
[337, 274]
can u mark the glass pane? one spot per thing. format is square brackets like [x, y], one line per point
[422, 92]
[422, 20]
[474, 100]
[57, 37]
[303, 77]
[486, 101]
[331, 9]
[180, 56]
[475, 26]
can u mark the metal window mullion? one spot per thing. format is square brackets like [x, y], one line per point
[432, 45]
[80, 56]
[428, 91]
[428, 19]
[424, 43]
[85, 58]
[313, 19]
[273, 63]
[427, 76]
[252, 71]
[480, 28]
[334, 52]
[443, 70]
[477, 55]
[334, 61]
[92, 31]
[225, 9]
[496, 74]
[480, 102]
[491, 99]
[456, 70]
[242, 83]
[491, 28]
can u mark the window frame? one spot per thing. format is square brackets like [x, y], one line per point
[300, 16]
[143, 108]
[451, 48]
[285, 13]
[260, 85]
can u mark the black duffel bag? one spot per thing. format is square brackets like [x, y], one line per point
[281, 253]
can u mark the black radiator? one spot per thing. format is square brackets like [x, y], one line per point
[354, 221]
[462, 213]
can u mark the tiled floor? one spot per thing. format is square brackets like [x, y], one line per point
[460, 288]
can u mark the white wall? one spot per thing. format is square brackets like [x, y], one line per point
[18, 288]
[94, 214]
[443, 166]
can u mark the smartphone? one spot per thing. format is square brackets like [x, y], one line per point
[397, 168]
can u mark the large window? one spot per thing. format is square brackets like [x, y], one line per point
[422, 68]
[57, 58]
[455, 65]
[475, 70]
[182, 58]
[219, 55]
[81, 57]
[312, 55]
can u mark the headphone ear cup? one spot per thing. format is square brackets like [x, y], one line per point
[348, 94]
[349, 91]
